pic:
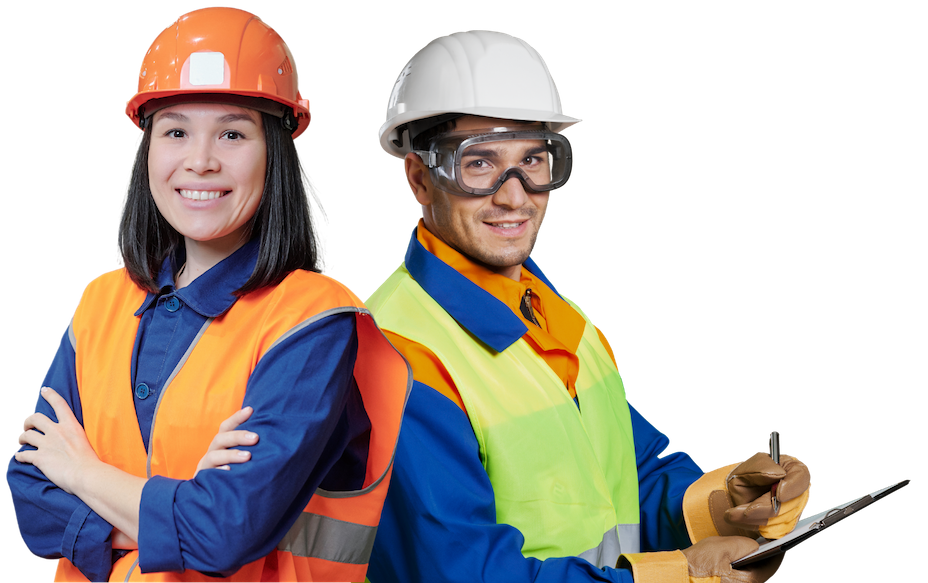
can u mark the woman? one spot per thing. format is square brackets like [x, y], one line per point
[218, 321]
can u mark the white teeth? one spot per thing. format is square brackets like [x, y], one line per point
[508, 225]
[201, 194]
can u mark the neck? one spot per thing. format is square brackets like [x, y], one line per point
[513, 272]
[203, 255]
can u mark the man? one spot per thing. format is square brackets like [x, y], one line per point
[519, 457]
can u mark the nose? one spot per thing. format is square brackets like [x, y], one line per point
[511, 194]
[201, 158]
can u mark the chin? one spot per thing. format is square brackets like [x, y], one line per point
[504, 260]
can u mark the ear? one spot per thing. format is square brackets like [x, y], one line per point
[417, 174]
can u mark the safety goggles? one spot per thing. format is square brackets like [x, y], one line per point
[471, 164]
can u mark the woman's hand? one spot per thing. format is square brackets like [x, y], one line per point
[220, 453]
[63, 452]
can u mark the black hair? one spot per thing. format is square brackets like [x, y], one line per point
[421, 131]
[282, 220]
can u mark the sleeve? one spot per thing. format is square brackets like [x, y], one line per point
[303, 394]
[439, 518]
[53, 523]
[662, 482]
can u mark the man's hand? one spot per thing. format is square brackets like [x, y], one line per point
[751, 487]
[62, 450]
[712, 557]
[220, 452]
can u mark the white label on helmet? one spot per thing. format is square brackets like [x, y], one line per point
[207, 68]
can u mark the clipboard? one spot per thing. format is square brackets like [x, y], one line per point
[813, 525]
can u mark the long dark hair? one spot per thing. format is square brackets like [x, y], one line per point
[282, 221]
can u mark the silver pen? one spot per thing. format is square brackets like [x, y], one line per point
[775, 456]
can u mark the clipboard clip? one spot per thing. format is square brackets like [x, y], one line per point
[836, 514]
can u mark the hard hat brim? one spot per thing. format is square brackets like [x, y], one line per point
[146, 103]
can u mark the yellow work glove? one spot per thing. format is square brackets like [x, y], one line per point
[752, 485]
[709, 561]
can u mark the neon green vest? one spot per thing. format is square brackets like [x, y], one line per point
[568, 481]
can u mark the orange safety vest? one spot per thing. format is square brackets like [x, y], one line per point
[333, 537]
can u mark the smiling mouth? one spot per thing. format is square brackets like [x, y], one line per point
[506, 225]
[203, 194]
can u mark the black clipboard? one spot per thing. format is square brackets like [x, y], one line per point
[813, 525]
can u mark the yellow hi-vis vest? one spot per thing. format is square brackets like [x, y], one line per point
[565, 477]
[333, 537]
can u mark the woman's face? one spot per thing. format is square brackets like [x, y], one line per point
[206, 167]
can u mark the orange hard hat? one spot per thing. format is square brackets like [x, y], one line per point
[220, 55]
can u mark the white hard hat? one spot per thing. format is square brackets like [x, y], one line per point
[484, 73]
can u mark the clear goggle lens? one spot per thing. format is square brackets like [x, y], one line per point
[478, 165]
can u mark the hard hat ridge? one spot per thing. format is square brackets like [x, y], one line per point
[220, 55]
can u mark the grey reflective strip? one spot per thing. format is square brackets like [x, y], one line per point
[164, 389]
[629, 538]
[624, 538]
[321, 537]
[313, 320]
[132, 568]
[71, 335]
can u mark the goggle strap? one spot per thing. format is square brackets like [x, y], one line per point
[428, 157]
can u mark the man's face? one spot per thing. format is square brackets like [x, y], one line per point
[497, 230]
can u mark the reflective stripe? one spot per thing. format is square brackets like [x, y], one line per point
[131, 569]
[313, 320]
[629, 538]
[624, 538]
[321, 537]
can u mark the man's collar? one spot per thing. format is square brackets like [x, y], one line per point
[212, 293]
[484, 316]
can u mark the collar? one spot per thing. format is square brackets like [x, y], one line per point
[213, 292]
[474, 308]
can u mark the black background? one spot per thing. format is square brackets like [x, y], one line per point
[713, 225]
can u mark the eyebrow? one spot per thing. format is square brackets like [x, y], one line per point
[229, 117]
[492, 153]
[486, 153]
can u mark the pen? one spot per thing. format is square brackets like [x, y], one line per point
[775, 456]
